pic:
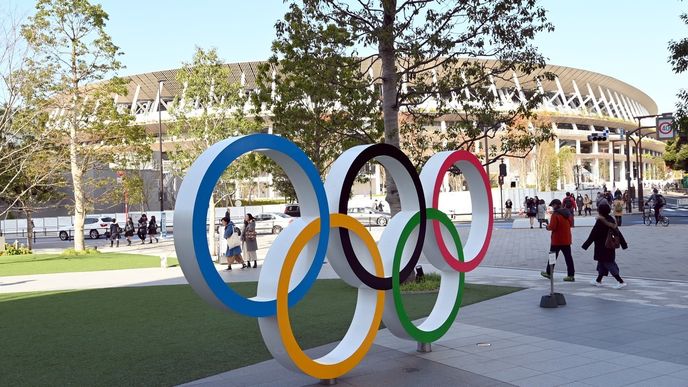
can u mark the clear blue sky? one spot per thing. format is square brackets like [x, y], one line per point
[623, 39]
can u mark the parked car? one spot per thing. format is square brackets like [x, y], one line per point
[272, 222]
[368, 216]
[93, 228]
[293, 210]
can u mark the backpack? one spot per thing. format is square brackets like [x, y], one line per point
[618, 206]
[661, 202]
[568, 202]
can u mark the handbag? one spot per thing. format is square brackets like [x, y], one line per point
[613, 241]
[250, 235]
[233, 241]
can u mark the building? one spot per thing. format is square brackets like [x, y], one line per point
[578, 103]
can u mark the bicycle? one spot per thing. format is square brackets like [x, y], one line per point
[649, 218]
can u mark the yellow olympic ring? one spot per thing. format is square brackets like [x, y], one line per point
[330, 367]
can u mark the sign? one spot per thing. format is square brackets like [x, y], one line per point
[665, 128]
[324, 229]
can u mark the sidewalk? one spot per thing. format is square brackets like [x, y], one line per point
[589, 342]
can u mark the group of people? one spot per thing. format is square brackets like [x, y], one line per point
[146, 228]
[605, 234]
[235, 239]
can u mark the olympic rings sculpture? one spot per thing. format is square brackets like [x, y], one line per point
[375, 269]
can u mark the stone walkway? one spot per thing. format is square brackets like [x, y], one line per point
[512, 341]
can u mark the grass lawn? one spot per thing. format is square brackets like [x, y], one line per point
[57, 263]
[161, 335]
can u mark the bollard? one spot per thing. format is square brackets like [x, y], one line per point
[163, 261]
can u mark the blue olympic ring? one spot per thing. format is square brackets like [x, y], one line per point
[204, 174]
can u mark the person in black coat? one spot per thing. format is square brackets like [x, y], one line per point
[605, 257]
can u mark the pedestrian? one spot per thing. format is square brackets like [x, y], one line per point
[233, 244]
[579, 203]
[618, 209]
[508, 205]
[129, 230]
[587, 203]
[249, 237]
[542, 212]
[152, 230]
[601, 199]
[115, 231]
[531, 211]
[560, 224]
[143, 228]
[605, 256]
[617, 194]
[626, 197]
[569, 203]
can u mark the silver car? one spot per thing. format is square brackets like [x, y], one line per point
[368, 216]
[272, 222]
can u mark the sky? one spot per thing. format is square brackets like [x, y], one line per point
[623, 39]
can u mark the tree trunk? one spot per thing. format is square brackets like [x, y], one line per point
[29, 229]
[77, 181]
[77, 172]
[390, 109]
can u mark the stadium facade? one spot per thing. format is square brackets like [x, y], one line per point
[578, 103]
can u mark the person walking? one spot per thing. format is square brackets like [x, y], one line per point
[618, 209]
[587, 205]
[152, 230]
[143, 228]
[508, 205]
[129, 230]
[233, 248]
[617, 194]
[531, 210]
[115, 231]
[250, 241]
[605, 256]
[560, 224]
[569, 203]
[542, 212]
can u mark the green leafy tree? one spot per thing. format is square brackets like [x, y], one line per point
[413, 59]
[24, 135]
[211, 110]
[74, 57]
[676, 153]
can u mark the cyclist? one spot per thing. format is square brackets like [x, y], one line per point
[658, 202]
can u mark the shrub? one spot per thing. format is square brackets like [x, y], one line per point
[15, 249]
[88, 251]
[430, 282]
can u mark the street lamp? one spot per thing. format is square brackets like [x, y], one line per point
[160, 142]
[163, 220]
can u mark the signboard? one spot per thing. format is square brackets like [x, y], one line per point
[665, 128]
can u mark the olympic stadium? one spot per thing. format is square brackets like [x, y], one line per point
[578, 103]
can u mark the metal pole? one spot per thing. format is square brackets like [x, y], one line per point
[641, 205]
[160, 144]
[501, 190]
[487, 158]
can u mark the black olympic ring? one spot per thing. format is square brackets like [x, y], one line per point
[370, 153]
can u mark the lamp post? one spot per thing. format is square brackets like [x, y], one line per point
[163, 218]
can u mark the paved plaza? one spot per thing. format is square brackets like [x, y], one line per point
[603, 337]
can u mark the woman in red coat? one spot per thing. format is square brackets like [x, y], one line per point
[605, 257]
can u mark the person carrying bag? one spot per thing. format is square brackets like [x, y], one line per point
[607, 238]
[233, 244]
